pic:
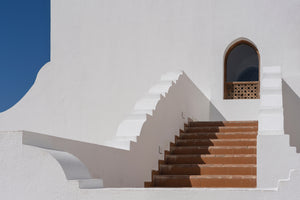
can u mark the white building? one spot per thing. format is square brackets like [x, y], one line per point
[126, 75]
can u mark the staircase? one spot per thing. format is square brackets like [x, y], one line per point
[210, 154]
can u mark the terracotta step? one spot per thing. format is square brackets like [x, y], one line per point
[210, 154]
[148, 184]
[211, 135]
[213, 150]
[208, 169]
[220, 129]
[211, 159]
[223, 123]
[215, 142]
[204, 181]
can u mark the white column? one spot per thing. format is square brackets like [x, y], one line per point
[271, 109]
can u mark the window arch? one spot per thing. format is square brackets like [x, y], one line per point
[241, 71]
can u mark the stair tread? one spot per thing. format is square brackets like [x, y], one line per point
[243, 139]
[220, 134]
[206, 176]
[216, 142]
[211, 155]
[221, 127]
[212, 150]
[217, 135]
[223, 133]
[209, 165]
[247, 121]
[213, 147]
[223, 123]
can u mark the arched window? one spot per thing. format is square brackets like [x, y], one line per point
[241, 71]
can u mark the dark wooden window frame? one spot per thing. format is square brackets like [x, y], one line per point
[225, 67]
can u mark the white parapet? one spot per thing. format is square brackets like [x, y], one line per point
[131, 127]
[271, 109]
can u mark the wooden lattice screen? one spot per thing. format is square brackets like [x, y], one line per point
[241, 90]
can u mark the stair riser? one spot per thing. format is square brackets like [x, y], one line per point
[214, 143]
[219, 129]
[212, 151]
[210, 160]
[210, 154]
[217, 136]
[222, 124]
[204, 183]
[177, 170]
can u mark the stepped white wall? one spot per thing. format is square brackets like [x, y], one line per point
[106, 54]
[275, 160]
[127, 160]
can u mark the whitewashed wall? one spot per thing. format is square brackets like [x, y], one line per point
[130, 165]
[106, 54]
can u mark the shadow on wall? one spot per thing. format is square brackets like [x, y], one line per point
[122, 168]
[215, 114]
[291, 105]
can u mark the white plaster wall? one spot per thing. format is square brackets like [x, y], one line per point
[106, 54]
[271, 26]
[132, 166]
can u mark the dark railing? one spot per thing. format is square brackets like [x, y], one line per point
[241, 90]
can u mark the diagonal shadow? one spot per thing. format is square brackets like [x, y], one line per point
[291, 105]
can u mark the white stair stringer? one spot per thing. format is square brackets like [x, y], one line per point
[271, 110]
[130, 128]
[75, 172]
[74, 169]
[275, 159]
[282, 182]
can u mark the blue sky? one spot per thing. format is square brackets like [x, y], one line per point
[24, 46]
